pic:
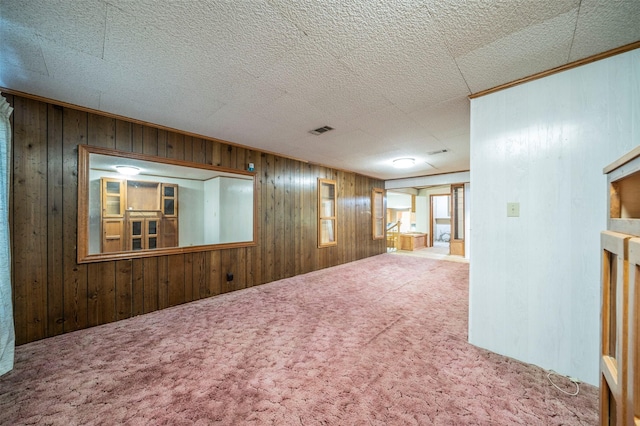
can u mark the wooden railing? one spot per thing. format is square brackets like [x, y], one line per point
[393, 231]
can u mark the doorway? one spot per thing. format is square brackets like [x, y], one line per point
[440, 222]
[456, 246]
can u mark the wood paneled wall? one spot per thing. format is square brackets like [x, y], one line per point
[53, 294]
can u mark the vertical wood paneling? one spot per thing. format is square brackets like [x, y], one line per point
[137, 287]
[279, 218]
[176, 279]
[102, 291]
[54, 294]
[101, 131]
[163, 282]
[75, 295]
[30, 218]
[151, 284]
[199, 276]
[188, 277]
[55, 231]
[215, 275]
[124, 140]
[123, 283]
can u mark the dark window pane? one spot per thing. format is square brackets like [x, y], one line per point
[136, 228]
[168, 207]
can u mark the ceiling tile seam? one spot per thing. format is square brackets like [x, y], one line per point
[44, 59]
[104, 33]
[575, 29]
[446, 44]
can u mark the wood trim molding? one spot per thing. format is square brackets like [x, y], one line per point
[565, 67]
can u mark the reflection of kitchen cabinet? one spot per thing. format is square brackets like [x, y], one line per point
[143, 230]
[169, 197]
[113, 197]
[138, 215]
[112, 230]
[327, 220]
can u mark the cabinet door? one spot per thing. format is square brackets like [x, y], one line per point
[113, 198]
[151, 233]
[136, 234]
[170, 232]
[170, 200]
[112, 240]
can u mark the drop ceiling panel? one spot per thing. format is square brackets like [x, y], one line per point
[32, 82]
[343, 26]
[534, 49]
[78, 25]
[392, 127]
[412, 67]
[248, 35]
[446, 119]
[391, 76]
[21, 48]
[605, 25]
[471, 25]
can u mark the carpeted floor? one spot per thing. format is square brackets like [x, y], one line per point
[381, 341]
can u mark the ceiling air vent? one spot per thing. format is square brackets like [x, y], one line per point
[440, 151]
[320, 130]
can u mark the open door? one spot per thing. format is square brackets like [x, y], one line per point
[456, 246]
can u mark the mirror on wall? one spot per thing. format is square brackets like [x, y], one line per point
[134, 205]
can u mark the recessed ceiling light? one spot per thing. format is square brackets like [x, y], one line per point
[403, 163]
[128, 170]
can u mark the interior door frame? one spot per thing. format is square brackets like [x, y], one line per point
[432, 219]
[457, 245]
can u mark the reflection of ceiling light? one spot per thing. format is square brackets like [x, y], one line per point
[128, 170]
[403, 163]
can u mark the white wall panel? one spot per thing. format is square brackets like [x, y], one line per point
[535, 279]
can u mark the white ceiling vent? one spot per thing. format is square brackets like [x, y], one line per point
[320, 130]
[440, 151]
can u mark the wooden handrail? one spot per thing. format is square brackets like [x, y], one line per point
[397, 224]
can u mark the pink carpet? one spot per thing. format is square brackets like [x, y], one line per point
[381, 341]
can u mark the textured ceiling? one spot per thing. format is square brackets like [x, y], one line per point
[390, 76]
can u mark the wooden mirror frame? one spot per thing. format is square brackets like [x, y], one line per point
[83, 255]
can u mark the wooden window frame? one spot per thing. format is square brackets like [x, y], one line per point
[377, 216]
[323, 216]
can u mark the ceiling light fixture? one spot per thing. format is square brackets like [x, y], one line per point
[128, 170]
[403, 163]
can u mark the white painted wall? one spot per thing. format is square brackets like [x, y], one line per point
[236, 213]
[535, 279]
[211, 210]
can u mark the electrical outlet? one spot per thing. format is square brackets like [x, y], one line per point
[513, 209]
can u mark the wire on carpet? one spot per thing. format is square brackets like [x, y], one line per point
[572, 379]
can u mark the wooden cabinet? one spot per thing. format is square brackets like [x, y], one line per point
[113, 197]
[327, 218]
[620, 246]
[138, 215]
[143, 230]
[413, 241]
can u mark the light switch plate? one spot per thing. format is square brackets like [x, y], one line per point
[513, 209]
